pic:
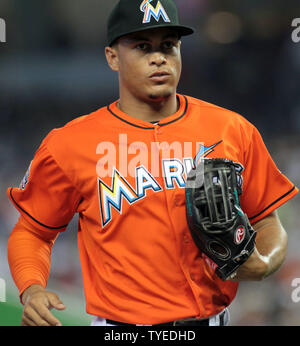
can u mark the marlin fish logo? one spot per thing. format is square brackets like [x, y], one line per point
[204, 151]
[156, 12]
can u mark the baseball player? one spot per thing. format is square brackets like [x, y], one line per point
[123, 169]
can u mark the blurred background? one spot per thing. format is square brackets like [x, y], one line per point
[52, 69]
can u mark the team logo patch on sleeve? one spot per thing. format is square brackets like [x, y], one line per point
[25, 180]
[156, 12]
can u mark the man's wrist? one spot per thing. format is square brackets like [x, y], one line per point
[256, 268]
[30, 291]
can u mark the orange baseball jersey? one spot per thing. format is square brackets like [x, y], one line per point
[126, 177]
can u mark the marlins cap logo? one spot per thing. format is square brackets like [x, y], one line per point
[156, 13]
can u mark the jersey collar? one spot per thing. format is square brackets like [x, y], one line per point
[116, 112]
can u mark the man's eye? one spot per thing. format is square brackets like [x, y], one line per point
[143, 46]
[168, 45]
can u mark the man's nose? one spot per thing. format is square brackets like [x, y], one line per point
[158, 59]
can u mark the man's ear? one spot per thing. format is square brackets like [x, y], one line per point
[111, 54]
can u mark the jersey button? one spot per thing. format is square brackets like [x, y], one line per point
[159, 131]
[177, 201]
[186, 239]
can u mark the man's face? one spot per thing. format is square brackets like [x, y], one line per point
[149, 63]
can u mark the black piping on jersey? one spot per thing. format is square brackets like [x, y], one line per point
[24, 211]
[270, 205]
[151, 128]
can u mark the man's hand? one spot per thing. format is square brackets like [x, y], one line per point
[37, 305]
[254, 269]
[270, 251]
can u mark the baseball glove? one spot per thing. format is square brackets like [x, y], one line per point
[219, 227]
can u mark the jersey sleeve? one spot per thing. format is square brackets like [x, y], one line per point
[29, 255]
[265, 187]
[46, 197]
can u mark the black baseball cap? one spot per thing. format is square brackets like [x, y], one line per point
[130, 16]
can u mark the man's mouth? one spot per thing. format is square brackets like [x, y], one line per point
[159, 76]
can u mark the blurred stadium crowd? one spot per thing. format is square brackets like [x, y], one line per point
[52, 69]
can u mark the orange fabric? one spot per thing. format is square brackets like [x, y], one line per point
[139, 262]
[29, 254]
